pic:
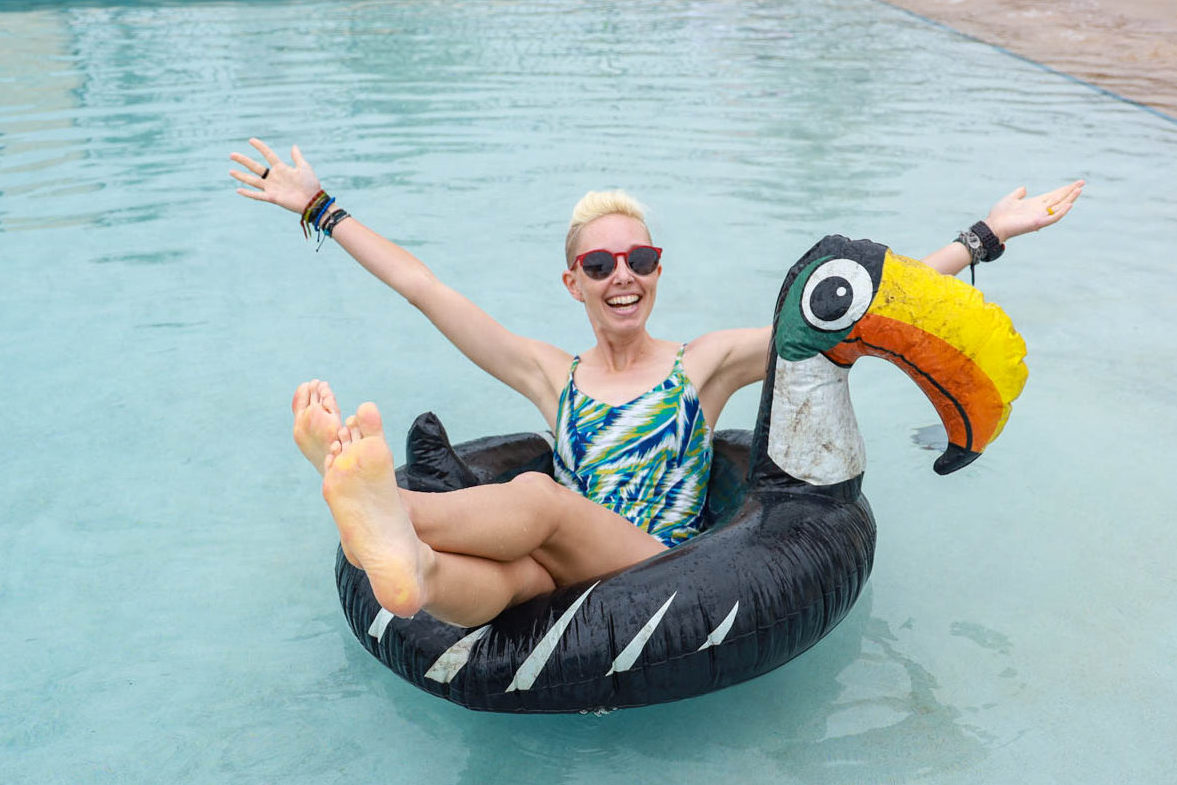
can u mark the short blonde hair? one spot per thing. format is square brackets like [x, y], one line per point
[597, 204]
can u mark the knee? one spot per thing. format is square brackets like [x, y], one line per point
[531, 580]
[533, 485]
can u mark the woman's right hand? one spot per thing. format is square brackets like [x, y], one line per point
[291, 187]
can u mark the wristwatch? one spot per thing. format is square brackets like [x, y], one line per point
[981, 242]
[991, 247]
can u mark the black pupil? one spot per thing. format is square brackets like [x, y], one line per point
[831, 298]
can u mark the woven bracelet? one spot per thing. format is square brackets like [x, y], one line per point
[333, 220]
[313, 206]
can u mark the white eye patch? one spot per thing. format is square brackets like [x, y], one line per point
[836, 295]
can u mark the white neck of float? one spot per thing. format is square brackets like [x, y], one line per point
[812, 432]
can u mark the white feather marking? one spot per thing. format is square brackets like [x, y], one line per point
[630, 653]
[380, 624]
[719, 633]
[455, 657]
[530, 669]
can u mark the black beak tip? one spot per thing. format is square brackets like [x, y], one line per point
[955, 457]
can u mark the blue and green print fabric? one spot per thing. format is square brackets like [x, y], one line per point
[647, 460]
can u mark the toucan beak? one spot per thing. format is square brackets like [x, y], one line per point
[962, 352]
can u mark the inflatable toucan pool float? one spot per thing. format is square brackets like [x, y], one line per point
[789, 539]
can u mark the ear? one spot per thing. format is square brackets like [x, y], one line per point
[572, 285]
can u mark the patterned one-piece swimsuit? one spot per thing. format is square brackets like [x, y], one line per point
[647, 460]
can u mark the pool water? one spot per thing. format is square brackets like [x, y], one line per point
[168, 603]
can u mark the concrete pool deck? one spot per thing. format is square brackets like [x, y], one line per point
[1128, 47]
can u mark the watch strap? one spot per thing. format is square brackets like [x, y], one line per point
[991, 247]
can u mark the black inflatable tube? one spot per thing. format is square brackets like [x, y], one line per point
[780, 566]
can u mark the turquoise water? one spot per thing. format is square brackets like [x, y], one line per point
[166, 593]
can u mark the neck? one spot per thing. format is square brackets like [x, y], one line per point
[621, 352]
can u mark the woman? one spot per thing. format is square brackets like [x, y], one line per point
[631, 415]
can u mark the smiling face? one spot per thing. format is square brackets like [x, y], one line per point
[623, 300]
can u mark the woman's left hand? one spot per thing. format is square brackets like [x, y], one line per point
[1015, 214]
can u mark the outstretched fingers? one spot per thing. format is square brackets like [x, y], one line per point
[1069, 191]
[1058, 202]
[271, 157]
[274, 181]
[256, 170]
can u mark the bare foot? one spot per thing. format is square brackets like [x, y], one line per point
[316, 420]
[359, 485]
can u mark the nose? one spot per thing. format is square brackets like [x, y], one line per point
[622, 273]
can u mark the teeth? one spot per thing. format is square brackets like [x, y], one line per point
[628, 299]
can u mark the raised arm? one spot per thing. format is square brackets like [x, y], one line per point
[722, 362]
[1010, 217]
[531, 367]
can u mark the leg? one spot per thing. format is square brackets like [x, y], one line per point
[470, 590]
[407, 574]
[570, 536]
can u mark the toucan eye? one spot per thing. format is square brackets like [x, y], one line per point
[836, 295]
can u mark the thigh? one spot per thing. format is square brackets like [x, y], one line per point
[533, 515]
[592, 540]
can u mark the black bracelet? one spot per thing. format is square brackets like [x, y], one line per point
[333, 220]
[991, 247]
[328, 226]
[982, 245]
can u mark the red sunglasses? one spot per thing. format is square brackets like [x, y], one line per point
[599, 264]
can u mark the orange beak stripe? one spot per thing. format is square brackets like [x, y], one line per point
[965, 397]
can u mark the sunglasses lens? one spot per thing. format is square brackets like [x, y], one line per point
[597, 265]
[643, 260]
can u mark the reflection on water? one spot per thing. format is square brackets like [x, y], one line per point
[167, 591]
[846, 712]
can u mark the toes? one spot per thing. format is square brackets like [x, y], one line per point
[368, 421]
[302, 398]
[328, 398]
[353, 428]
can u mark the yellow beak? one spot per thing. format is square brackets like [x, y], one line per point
[962, 352]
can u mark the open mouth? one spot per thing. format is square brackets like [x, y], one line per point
[623, 300]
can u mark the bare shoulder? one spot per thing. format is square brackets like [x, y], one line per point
[725, 353]
[722, 362]
[552, 363]
[544, 378]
